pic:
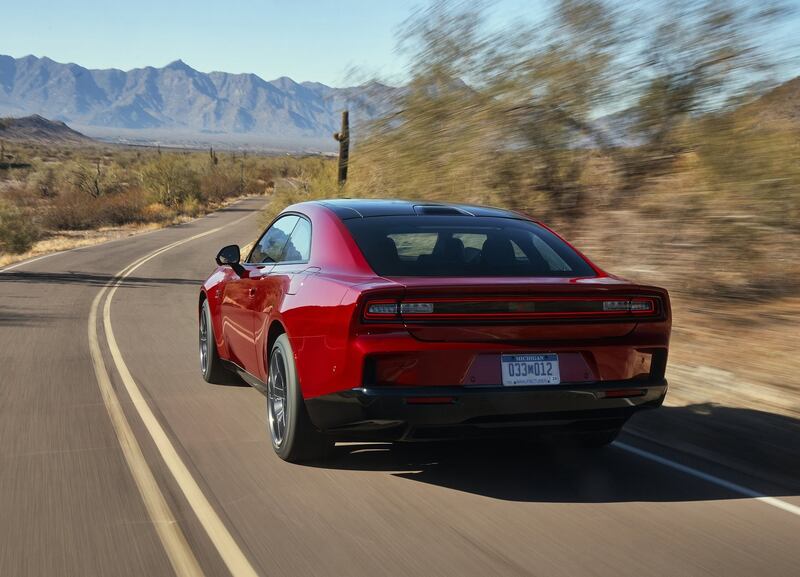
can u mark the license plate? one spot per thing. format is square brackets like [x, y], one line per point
[531, 369]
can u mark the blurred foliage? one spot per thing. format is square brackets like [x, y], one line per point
[753, 169]
[547, 91]
[632, 126]
[309, 178]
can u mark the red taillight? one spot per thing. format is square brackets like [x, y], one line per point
[509, 308]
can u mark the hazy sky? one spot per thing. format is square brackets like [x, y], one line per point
[317, 40]
[305, 39]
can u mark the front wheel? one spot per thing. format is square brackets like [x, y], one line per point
[293, 436]
[210, 363]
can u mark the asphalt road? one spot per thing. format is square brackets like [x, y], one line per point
[196, 489]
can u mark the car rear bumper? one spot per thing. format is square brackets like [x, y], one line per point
[456, 411]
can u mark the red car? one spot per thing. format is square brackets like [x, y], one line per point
[385, 319]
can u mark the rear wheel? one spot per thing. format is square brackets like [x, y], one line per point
[293, 436]
[210, 363]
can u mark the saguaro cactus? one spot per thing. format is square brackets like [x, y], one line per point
[344, 147]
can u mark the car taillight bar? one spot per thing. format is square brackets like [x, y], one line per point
[381, 309]
[633, 306]
[415, 308]
[510, 308]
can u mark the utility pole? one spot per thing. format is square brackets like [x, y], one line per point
[344, 147]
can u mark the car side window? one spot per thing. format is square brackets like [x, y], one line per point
[270, 247]
[553, 260]
[298, 249]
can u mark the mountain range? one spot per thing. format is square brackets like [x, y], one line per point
[178, 103]
[35, 129]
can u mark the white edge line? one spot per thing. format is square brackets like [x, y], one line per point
[84, 247]
[734, 487]
[230, 552]
[31, 260]
[180, 555]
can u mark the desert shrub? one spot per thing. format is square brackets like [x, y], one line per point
[169, 180]
[85, 188]
[74, 210]
[316, 181]
[44, 183]
[261, 173]
[85, 181]
[19, 195]
[190, 207]
[71, 210]
[18, 231]
[157, 212]
[120, 209]
[218, 182]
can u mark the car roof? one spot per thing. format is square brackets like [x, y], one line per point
[346, 208]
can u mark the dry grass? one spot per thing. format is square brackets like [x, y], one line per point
[70, 239]
[736, 355]
[64, 187]
[66, 240]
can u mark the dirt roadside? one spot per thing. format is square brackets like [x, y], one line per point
[70, 239]
[734, 396]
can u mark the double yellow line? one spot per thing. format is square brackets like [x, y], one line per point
[169, 532]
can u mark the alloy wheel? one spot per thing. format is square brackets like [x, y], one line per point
[203, 342]
[277, 397]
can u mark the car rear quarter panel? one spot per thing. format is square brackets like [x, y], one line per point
[318, 315]
[317, 320]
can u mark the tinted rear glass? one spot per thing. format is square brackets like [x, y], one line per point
[463, 246]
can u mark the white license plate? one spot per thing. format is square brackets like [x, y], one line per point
[530, 369]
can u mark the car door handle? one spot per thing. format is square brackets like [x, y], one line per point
[252, 292]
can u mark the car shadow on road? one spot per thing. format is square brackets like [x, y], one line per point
[763, 446]
[25, 318]
[237, 209]
[90, 279]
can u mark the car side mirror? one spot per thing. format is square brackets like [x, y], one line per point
[230, 255]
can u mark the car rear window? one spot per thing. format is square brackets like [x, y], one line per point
[463, 246]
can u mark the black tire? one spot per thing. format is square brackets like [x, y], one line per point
[210, 363]
[293, 436]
